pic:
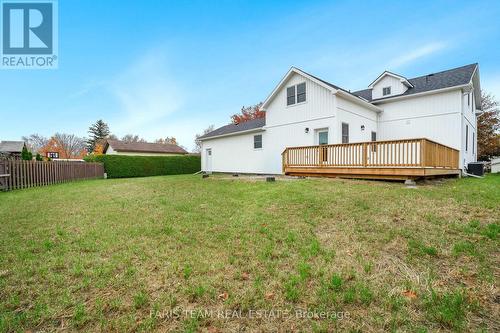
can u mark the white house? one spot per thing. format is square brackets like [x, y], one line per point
[304, 110]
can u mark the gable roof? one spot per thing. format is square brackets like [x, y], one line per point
[144, 147]
[446, 79]
[246, 126]
[330, 86]
[402, 79]
[11, 146]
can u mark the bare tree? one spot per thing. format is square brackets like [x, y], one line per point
[71, 145]
[35, 142]
[197, 142]
[132, 138]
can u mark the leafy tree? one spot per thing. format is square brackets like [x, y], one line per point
[38, 157]
[168, 140]
[248, 113]
[488, 126]
[132, 138]
[197, 142]
[26, 155]
[97, 133]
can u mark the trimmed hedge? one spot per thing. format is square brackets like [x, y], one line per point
[121, 166]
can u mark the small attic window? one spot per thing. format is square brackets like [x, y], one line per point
[386, 91]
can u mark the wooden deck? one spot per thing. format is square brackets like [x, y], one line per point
[395, 159]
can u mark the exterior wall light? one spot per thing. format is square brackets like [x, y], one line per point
[362, 127]
[307, 130]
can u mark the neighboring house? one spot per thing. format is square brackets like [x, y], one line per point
[55, 151]
[304, 110]
[11, 149]
[115, 147]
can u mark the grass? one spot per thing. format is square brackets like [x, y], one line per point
[124, 254]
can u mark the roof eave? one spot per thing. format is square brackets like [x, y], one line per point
[476, 83]
[402, 79]
[285, 78]
[359, 100]
[258, 129]
[430, 92]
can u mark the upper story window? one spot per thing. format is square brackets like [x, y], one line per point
[386, 91]
[257, 141]
[345, 133]
[296, 94]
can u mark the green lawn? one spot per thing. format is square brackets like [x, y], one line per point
[118, 255]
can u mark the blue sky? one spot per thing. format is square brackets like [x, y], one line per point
[165, 68]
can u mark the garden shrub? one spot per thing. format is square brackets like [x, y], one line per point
[122, 166]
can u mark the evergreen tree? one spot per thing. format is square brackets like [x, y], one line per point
[97, 133]
[25, 154]
[38, 157]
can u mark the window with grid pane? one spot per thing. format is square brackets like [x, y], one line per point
[290, 95]
[301, 92]
[257, 141]
[345, 133]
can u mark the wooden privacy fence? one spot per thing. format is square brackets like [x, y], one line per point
[16, 174]
[422, 153]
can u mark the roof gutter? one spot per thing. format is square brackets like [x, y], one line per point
[430, 92]
[358, 100]
[258, 129]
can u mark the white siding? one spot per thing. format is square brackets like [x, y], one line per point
[439, 117]
[436, 117]
[320, 103]
[235, 154]
[397, 87]
[356, 116]
[468, 154]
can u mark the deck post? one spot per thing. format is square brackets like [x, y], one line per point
[422, 152]
[365, 154]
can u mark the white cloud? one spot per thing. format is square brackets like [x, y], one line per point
[416, 54]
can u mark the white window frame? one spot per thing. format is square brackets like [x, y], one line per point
[389, 93]
[261, 142]
[295, 96]
[342, 132]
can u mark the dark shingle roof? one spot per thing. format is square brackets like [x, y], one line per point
[445, 79]
[11, 146]
[233, 128]
[145, 147]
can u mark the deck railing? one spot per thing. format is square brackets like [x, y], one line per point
[422, 153]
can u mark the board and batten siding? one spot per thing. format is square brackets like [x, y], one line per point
[234, 153]
[436, 117]
[286, 126]
[290, 126]
[469, 121]
[356, 116]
